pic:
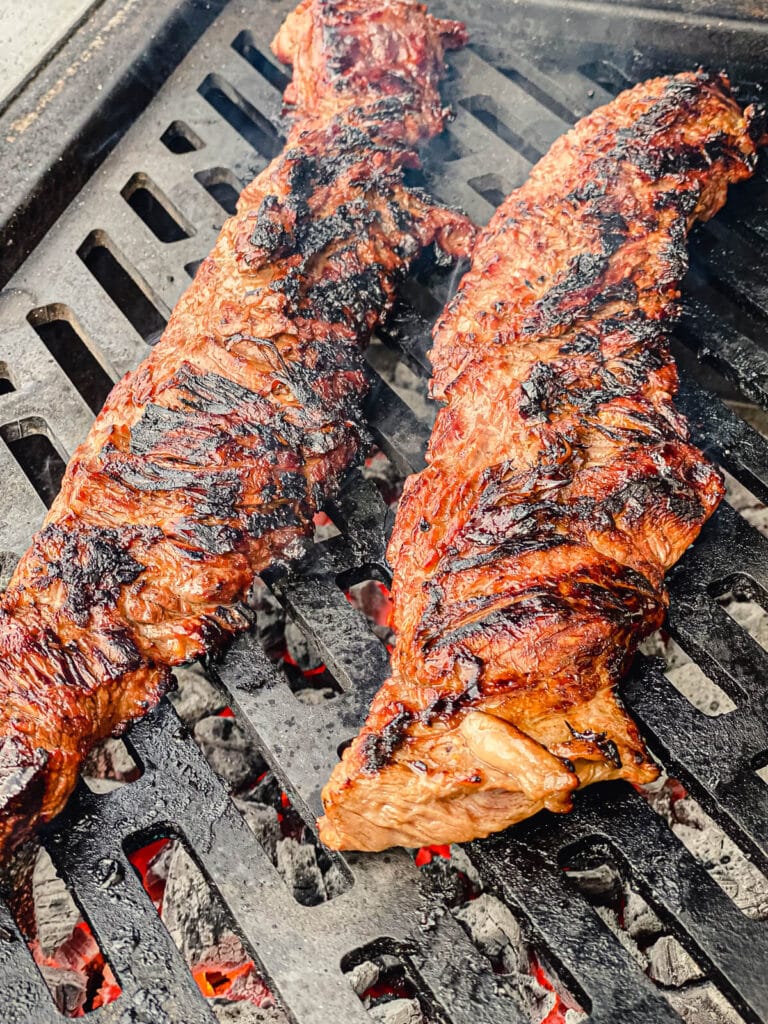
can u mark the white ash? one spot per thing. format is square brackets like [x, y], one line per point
[750, 616]
[243, 1012]
[703, 1004]
[315, 694]
[495, 932]
[109, 766]
[397, 1011]
[600, 882]
[671, 965]
[229, 750]
[297, 863]
[575, 1017]
[363, 975]
[56, 913]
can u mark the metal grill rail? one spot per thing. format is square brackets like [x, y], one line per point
[222, 102]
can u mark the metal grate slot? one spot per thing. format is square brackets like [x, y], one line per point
[241, 115]
[6, 384]
[245, 45]
[57, 328]
[155, 209]
[179, 138]
[125, 287]
[222, 185]
[31, 446]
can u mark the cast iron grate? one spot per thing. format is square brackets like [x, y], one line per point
[107, 274]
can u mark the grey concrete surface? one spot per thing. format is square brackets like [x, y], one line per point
[29, 32]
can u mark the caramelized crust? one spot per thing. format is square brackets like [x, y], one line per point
[208, 462]
[529, 556]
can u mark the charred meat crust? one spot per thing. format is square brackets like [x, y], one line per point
[529, 556]
[208, 462]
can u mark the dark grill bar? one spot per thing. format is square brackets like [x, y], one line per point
[512, 100]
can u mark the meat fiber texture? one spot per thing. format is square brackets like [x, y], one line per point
[208, 462]
[529, 556]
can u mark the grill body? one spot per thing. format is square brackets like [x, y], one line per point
[111, 269]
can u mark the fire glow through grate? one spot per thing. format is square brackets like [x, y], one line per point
[604, 912]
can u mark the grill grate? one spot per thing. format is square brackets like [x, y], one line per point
[107, 280]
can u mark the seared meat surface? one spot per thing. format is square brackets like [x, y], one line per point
[208, 462]
[529, 556]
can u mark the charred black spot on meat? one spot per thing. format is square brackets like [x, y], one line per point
[92, 564]
[377, 748]
[607, 747]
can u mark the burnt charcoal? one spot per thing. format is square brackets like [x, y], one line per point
[195, 697]
[363, 976]
[397, 1011]
[640, 921]
[229, 750]
[300, 648]
[243, 1012]
[195, 921]
[611, 919]
[335, 881]
[55, 911]
[669, 964]
[298, 865]
[495, 932]
[263, 822]
[575, 1017]
[266, 791]
[703, 1004]
[68, 988]
[601, 883]
[109, 766]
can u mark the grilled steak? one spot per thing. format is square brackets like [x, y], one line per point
[207, 463]
[529, 556]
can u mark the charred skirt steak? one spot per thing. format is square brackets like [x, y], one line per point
[529, 556]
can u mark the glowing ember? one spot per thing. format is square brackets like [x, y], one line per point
[236, 980]
[81, 955]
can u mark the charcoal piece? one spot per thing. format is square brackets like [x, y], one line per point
[195, 696]
[495, 932]
[397, 1011]
[669, 964]
[640, 921]
[229, 751]
[68, 989]
[56, 913]
[335, 881]
[575, 1017]
[195, 921]
[703, 1004]
[611, 919]
[601, 882]
[266, 791]
[109, 765]
[363, 976]
[263, 822]
[300, 647]
[297, 863]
